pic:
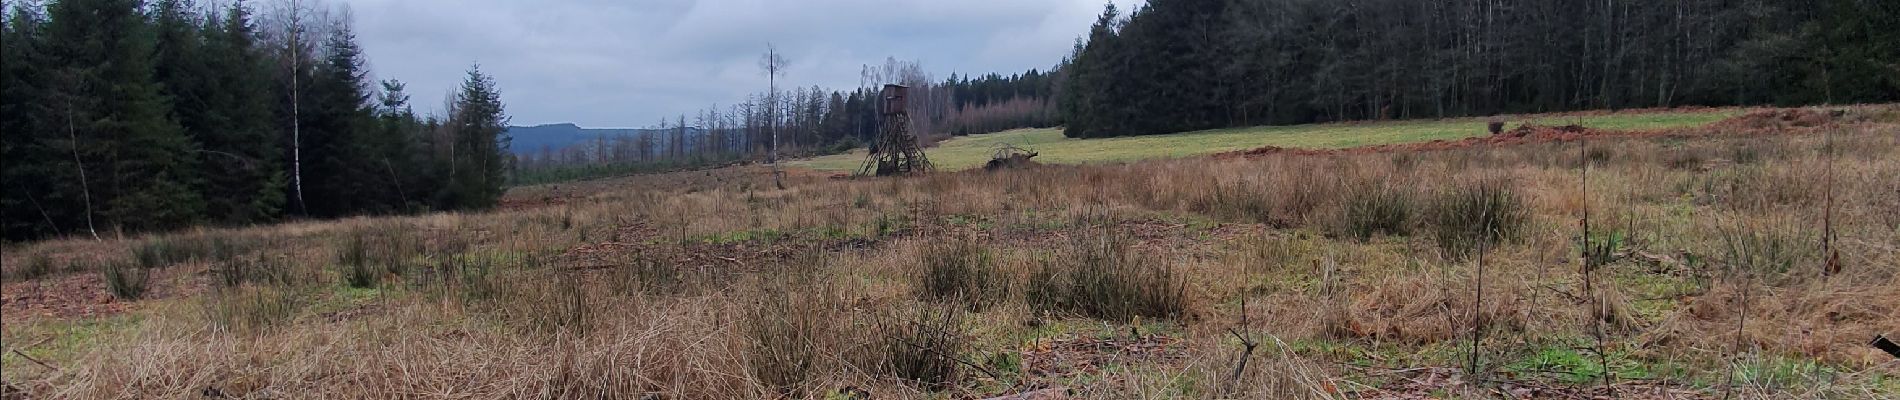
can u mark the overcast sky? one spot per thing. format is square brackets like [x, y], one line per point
[615, 63]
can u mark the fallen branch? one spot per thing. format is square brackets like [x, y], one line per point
[1573, 297]
[593, 267]
[1881, 342]
[1050, 393]
[35, 360]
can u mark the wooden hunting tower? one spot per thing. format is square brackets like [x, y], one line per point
[894, 99]
[895, 152]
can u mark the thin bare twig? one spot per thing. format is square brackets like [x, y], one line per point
[1589, 271]
[1240, 367]
[1831, 260]
[1741, 321]
[1477, 305]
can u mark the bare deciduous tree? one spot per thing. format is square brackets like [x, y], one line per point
[292, 19]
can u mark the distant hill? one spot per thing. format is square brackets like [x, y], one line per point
[530, 139]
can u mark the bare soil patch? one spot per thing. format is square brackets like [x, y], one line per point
[83, 295]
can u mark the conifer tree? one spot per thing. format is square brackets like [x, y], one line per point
[136, 167]
[243, 161]
[30, 203]
[337, 164]
[180, 65]
[395, 145]
[478, 121]
[1092, 75]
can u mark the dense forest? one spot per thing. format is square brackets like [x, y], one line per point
[123, 116]
[1178, 65]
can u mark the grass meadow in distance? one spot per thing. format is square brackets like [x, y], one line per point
[972, 151]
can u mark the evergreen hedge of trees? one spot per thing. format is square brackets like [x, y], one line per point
[1179, 65]
[123, 116]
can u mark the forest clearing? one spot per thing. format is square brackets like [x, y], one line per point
[1121, 199]
[1753, 257]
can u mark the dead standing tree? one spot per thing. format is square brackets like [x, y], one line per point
[774, 65]
[895, 152]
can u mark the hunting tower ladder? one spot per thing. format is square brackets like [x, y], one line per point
[895, 152]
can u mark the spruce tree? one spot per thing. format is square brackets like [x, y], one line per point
[1093, 73]
[394, 144]
[478, 122]
[180, 66]
[243, 161]
[30, 205]
[337, 163]
[138, 171]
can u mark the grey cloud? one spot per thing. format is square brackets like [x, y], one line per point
[604, 63]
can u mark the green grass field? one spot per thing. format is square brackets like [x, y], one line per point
[972, 151]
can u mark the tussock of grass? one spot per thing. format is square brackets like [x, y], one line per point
[1613, 308]
[260, 267]
[961, 271]
[251, 309]
[365, 256]
[1238, 201]
[1602, 249]
[1100, 276]
[126, 281]
[640, 273]
[1598, 155]
[550, 305]
[353, 263]
[164, 251]
[1686, 157]
[789, 331]
[1748, 152]
[1422, 309]
[35, 265]
[468, 278]
[1756, 188]
[1278, 197]
[1272, 255]
[922, 345]
[1767, 248]
[1375, 207]
[1476, 215]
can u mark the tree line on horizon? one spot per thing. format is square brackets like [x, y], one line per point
[809, 121]
[1183, 65]
[123, 116]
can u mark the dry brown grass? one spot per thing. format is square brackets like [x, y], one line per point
[710, 284]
